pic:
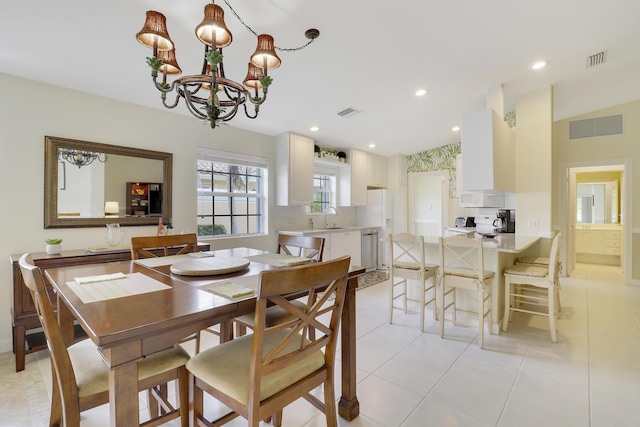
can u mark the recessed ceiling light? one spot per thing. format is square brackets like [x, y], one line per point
[314, 129]
[372, 145]
[538, 65]
[455, 128]
[421, 92]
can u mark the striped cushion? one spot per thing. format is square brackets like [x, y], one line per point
[527, 270]
[413, 266]
[465, 272]
[536, 260]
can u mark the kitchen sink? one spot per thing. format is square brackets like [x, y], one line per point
[333, 228]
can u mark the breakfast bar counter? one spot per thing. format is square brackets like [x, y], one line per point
[500, 252]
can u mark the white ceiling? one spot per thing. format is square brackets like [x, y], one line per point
[371, 55]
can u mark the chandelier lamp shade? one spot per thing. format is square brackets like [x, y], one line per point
[210, 95]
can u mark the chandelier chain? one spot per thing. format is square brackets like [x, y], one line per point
[282, 49]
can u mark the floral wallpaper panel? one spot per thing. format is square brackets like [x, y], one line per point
[437, 159]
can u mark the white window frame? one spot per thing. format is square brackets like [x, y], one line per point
[237, 159]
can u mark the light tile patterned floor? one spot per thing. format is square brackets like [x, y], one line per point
[591, 377]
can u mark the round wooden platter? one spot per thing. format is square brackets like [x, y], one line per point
[209, 266]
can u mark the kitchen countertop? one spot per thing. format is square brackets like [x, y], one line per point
[503, 242]
[311, 231]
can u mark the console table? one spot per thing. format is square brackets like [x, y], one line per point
[25, 320]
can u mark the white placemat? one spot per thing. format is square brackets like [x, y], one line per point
[163, 260]
[132, 284]
[234, 289]
[279, 260]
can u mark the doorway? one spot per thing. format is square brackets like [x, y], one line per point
[428, 203]
[596, 214]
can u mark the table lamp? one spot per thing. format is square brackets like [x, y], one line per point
[111, 209]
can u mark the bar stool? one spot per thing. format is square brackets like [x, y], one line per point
[462, 267]
[534, 287]
[408, 263]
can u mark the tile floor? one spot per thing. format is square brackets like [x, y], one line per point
[591, 377]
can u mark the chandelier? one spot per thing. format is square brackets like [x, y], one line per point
[210, 95]
[81, 158]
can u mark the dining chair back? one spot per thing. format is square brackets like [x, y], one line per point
[80, 376]
[408, 263]
[258, 375]
[534, 289]
[462, 267]
[141, 246]
[303, 246]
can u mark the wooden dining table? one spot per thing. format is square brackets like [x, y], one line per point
[129, 328]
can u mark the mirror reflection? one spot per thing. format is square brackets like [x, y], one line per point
[108, 184]
[99, 184]
[598, 203]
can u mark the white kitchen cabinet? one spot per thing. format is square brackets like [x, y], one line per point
[488, 147]
[347, 242]
[376, 171]
[326, 252]
[294, 170]
[352, 182]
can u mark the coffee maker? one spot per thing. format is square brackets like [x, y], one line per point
[505, 221]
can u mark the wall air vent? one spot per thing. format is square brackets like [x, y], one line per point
[597, 59]
[348, 112]
[599, 126]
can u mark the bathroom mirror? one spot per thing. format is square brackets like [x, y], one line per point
[83, 180]
[598, 203]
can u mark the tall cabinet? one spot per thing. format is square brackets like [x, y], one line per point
[294, 170]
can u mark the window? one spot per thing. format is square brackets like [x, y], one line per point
[324, 186]
[231, 194]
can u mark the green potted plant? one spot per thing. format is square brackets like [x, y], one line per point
[53, 246]
[342, 156]
[316, 150]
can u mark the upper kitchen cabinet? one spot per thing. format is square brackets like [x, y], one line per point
[294, 170]
[488, 150]
[353, 181]
[376, 171]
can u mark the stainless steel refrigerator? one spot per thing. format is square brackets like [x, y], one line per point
[385, 210]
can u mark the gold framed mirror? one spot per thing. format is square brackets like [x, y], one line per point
[90, 184]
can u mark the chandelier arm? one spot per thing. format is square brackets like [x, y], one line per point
[246, 111]
[189, 101]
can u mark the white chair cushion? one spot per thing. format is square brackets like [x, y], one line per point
[92, 375]
[527, 270]
[413, 266]
[226, 367]
[465, 272]
[276, 315]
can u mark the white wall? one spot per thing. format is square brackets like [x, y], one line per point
[533, 162]
[31, 110]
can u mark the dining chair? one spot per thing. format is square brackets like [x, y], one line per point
[257, 375]
[142, 247]
[81, 378]
[462, 267]
[534, 290]
[408, 263]
[301, 246]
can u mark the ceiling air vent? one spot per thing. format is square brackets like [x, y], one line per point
[599, 126]
[348, 112]
[597, 59]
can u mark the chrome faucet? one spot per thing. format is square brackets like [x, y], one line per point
[328, 208]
